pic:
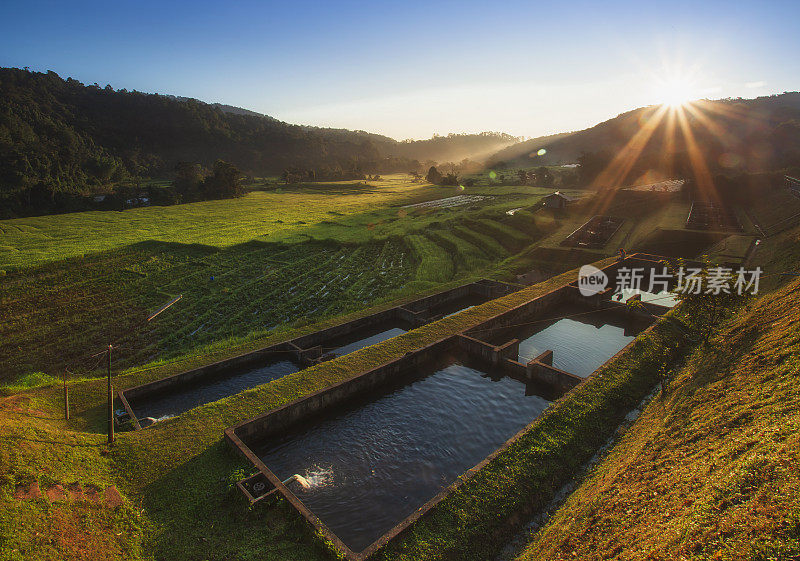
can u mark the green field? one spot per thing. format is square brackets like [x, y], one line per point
[356, 248]
[223, 223]
[279, 214]
[276, 261]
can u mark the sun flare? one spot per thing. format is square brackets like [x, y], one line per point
[675, 91]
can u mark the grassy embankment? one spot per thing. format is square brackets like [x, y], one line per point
[709, 470]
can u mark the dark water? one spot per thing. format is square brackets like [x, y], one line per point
[364, 341]
[377, 461]
[580, 344]
[206, 391]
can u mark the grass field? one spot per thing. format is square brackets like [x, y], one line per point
[250, 268]
[258, 215]
[365, 254]
[280, 214]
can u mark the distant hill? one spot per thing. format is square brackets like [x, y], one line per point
[731, 135]
[526, 151]
[62, 141]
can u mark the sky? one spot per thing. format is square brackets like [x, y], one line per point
[410, 69]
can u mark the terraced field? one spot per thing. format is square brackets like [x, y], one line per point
[258, 215]
[56, 315]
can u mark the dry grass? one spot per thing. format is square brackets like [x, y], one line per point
[709, 470]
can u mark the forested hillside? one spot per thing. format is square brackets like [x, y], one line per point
[62, 141]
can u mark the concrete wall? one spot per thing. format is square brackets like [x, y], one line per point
[307, 350]
[323, 335]
[211, 371]
[278, 420]
[520, 314]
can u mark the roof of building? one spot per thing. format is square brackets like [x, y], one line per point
[560, 195]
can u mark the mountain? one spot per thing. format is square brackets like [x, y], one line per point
[729, 135]
[62, 142]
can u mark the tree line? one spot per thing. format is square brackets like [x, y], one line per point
[63, 144]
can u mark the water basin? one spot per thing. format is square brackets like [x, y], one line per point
[377, 460]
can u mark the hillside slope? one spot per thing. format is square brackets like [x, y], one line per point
[709, 470]
[731, 135]
[60, 138]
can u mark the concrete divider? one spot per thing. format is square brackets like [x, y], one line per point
[308, 350]
[545, 358]
[541, 372]
[487, 352]
[278, 420]
[544, 373]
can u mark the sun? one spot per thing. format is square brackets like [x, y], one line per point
[675, 91]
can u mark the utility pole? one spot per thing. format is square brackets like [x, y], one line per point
[110, 386]
[110, 403]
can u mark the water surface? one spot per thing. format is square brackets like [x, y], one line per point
[202, 391]
[581, 339]
[378, 460]
[339, 348]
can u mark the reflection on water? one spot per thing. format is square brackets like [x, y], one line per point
[380, 459]
[581, 340]
[373, 339]
[663, 298]
[578, 348]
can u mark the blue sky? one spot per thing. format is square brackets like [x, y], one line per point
[410, 69]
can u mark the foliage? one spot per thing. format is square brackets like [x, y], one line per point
[62, 143]
[433, 176]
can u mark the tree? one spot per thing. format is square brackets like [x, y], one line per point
[706, 307]
[224, 181]
[434, 176]
[449, 179]
[543, 177]
[188, 177]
